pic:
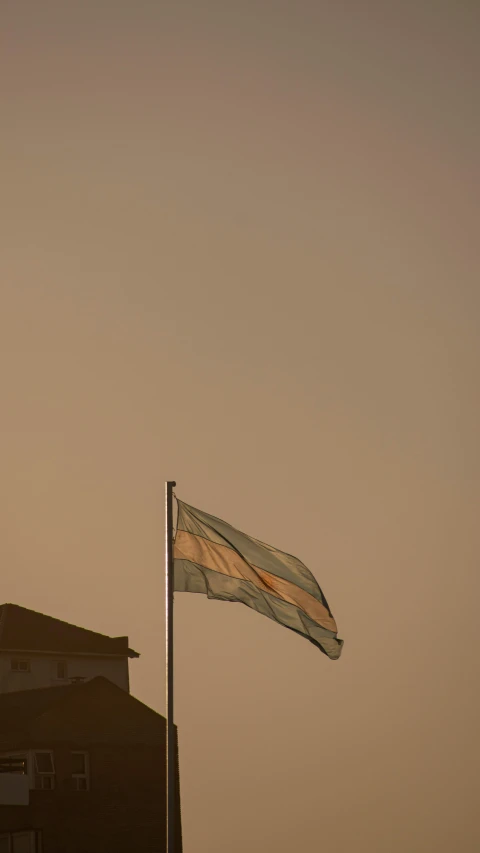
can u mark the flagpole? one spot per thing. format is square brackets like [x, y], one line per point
[170, 752]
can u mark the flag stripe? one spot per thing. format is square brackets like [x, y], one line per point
[226, 561]
[191, 577]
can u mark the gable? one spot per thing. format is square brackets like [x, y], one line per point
[95, 712]
[26, 630]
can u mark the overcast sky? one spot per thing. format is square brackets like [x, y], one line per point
[239, 249]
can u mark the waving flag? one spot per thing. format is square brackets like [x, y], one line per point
[213, 558]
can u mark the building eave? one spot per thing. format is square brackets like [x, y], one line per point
[130, 653]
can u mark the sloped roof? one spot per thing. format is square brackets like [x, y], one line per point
[95, 711]
[18, 708]
[26, 630]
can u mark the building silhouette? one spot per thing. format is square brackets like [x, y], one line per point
[82, 762]
[39, 651]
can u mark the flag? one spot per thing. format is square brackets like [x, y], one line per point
[213, 558]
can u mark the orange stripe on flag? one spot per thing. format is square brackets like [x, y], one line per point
[221, 558]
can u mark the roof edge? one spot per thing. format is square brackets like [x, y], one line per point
[8, 607]
[130, 653]
[60, 691]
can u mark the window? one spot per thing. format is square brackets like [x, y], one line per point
[62, 671]
[23, 842]
[44, 771]
[20, 665]
[18, 842]
[38, 766]
[80, 772]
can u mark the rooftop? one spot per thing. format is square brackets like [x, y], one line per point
[28, 631]
[94, 711]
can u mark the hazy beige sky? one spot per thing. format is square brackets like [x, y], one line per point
[240, 250]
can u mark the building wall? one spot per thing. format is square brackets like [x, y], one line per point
[123, 811]
[43, 670]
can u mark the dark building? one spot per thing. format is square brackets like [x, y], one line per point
[90, 771]
[40, 651]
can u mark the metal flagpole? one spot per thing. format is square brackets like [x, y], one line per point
[170, 755]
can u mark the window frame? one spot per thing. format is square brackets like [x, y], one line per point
[34, 776]
[64, 664]
[76, 777]
[43, 774]
[10, 837]
[15, 665]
